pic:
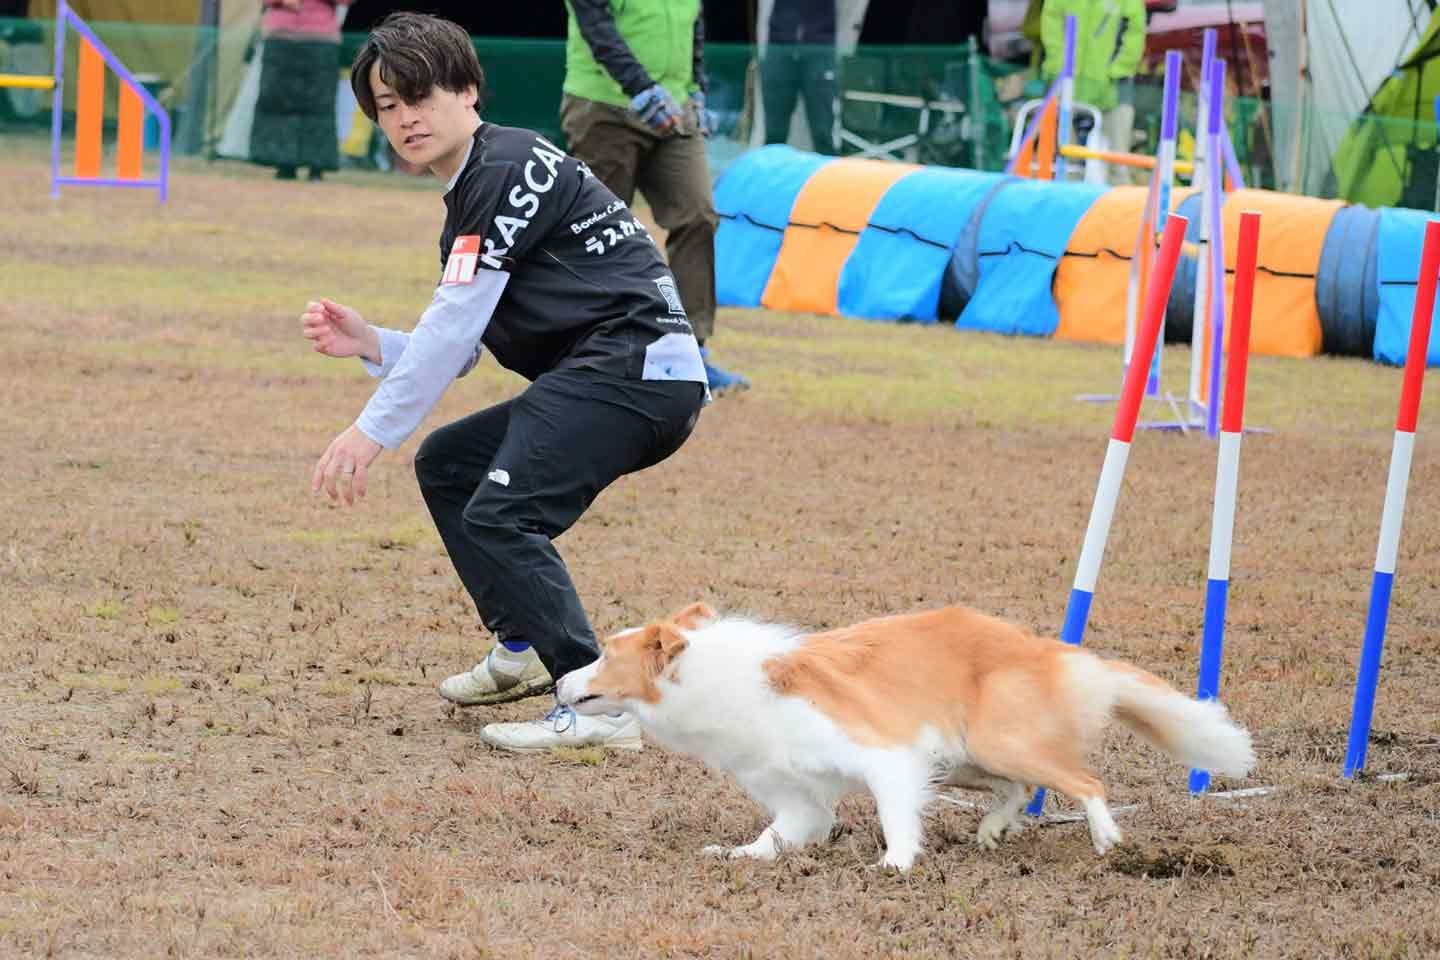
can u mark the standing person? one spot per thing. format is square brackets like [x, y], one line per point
[799, 62]
[629, 64]
[294, 122]
[546, 268]
[1109, 44]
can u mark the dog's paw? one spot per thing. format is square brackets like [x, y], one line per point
[898, 860]
[995, 827]
[1105, 837]
[753, 851]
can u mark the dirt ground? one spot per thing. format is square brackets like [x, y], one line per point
[219, 732]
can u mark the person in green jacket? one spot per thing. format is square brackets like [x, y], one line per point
[633, 111]
[1109, 44]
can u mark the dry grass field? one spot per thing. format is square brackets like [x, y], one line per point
[219, 732]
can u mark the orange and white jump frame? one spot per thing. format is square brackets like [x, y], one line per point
[1137, 160]
[16, 81]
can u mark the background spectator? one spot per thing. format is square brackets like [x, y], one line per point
[1109, 44]
[799, 62]
[295, 113]
[627, 71]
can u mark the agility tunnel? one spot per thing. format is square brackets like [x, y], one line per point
[984, 251]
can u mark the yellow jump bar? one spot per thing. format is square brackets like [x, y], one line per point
[26, 83]
[1077, 152]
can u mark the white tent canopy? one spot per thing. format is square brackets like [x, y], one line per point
[1327, 59]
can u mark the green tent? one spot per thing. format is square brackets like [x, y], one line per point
[1390, 155]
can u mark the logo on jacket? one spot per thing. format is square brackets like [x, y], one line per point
[464, 255]
[501, 477]
[671, 295]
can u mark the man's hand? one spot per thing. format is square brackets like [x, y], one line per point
[657, 109]
[349, 456]
[338, 331]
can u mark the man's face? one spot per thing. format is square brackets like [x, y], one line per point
[428, 131]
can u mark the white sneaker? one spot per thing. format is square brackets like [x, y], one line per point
[563, 727]
[501, 677]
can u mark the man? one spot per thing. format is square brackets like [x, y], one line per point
[1109, 44]
[800, 62]
[553, 274]
[628, 66]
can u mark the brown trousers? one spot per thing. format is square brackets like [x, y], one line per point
[673, 173]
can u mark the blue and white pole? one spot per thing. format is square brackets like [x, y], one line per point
[1107, 493]
[1393, 513]
[1227, 473]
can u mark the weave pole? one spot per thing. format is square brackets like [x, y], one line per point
[1215, 187]
[1227, 473]
[1067, 98]
[1201, 181]
[1112, 472]
[1393, 513]
[1164, 183]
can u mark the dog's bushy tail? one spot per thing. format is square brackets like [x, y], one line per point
[1197, 733]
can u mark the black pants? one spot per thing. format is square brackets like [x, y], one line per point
[790, 72]
[501, 484]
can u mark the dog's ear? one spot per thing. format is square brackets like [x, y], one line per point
[665, 641]
[694, 616]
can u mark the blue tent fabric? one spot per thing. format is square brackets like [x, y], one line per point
[1347, 288]
[963, 274]
[896, 268]
[1401, 235]
[754, 199]
[1022, 237]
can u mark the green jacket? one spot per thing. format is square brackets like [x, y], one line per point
[1104, 53]
[617, 48]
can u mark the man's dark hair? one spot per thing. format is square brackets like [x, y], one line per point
[416, 53]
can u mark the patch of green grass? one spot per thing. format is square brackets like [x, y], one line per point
[401, 537]
[836, 367]
[406, 535]
[335, 688]
[159, 685]
[247, 682]
[589, 756]
[163, 615]
[96, 681]
[107, 610]
[146, 758]
[317, 536]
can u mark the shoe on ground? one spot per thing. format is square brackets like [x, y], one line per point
[722, 381]
[563, 727]
[501, 677]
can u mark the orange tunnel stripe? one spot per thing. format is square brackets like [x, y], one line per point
[1093, 276]
[825, 223]
[1292, 232]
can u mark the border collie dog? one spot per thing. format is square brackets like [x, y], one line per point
[896, 706]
